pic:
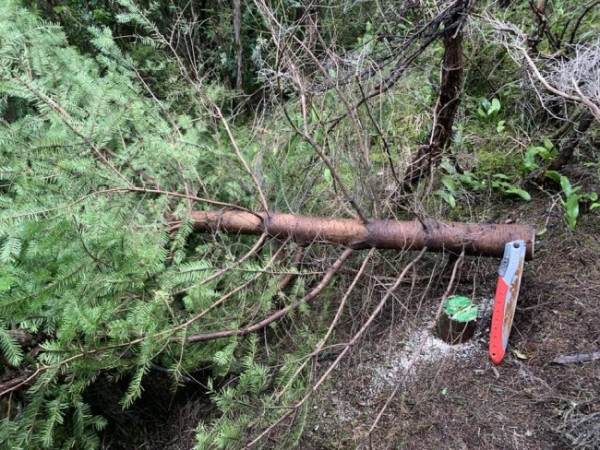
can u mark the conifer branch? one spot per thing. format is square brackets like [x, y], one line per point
[277, 315]
[67, 119]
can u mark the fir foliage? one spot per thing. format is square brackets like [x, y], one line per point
[88, 162]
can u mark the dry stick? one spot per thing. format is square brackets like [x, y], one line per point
[569, 123]
[581, 357]
[334, 322]
[186, 185]
[353, 112]
[586, 101]
[13, 384]
[576, 27]
[298, 254]
[175, 224]
[277, 315]
[263, 199]
[594, 108]
[319, 151]
[542, 21]
[87, 250]
[417, 352]
[237, 36]
[380, 133]
[572, 141]
[401, 66]
[250, 252]
[347, 348]
[304, 134]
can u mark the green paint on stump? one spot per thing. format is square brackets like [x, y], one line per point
[460, 309]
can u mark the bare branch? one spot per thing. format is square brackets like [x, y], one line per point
[417, 351]
[347, 348]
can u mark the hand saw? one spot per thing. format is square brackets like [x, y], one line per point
[505, 300]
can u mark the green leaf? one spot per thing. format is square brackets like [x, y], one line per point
[11, 249]
[11, 349]
[500, 127]
[553, 175]
[134, 390]
[520, 192]
[571, 211]
[565, 184]
[447, 197]
[495, 106]
[485, 103]
[449, 183]
[6, 282]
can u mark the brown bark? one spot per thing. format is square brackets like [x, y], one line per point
[454, 332]
[484, 240]
[237, 31]
[448, 102]
[564, 156]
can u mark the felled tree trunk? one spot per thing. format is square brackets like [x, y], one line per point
[484, 240]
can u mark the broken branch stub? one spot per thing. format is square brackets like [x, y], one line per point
[483, 240]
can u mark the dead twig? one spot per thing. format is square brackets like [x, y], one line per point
[417, 352]
[595, 109]
[578, 358]
[343, 353]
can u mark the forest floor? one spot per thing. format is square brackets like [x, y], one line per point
[438, 396]
[452, 397]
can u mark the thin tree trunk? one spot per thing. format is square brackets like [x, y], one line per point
[485, 240]
[237, 30]
[448, 102]
[566, 152]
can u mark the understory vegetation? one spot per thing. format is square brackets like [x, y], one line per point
[120, 118]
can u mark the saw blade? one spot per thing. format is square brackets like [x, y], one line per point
[505, 300]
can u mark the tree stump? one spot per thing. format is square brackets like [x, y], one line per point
[458, 320]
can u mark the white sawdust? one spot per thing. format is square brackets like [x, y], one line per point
[383, 370]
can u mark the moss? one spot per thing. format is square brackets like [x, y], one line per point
[491, 161]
